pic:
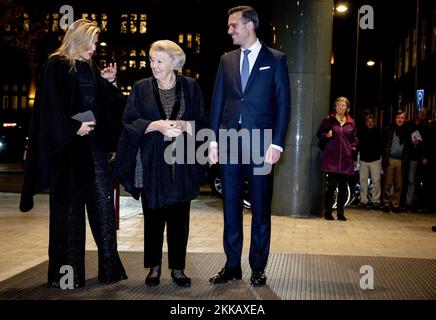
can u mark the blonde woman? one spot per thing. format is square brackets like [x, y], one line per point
[340, 133]
[75, 125]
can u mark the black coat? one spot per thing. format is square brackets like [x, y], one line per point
[53, 142]
[163, 184]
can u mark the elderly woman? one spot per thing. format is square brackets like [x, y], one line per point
[75, 125]
[155, 120]
[339, 132]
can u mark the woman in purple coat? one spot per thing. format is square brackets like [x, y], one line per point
[338, 134]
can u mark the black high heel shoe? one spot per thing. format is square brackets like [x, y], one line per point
[153, 281]
[181, 279]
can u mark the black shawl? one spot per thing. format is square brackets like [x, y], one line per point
[161, 187]
[53, 142]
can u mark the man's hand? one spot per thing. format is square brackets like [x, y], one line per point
[213, 155]
[272, 155]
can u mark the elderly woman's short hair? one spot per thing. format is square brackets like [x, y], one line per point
[172, 49]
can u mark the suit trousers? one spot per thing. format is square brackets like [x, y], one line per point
[176, 219]
[234, 173]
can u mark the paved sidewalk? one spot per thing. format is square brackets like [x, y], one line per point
[24, 236]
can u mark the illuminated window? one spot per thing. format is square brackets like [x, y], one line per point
[132, 64]
[132, 53]
[142, 64]
[5, 102]
[197, 43]
[55, 23]
[123, 65]
[26, 25]
[103, 22]
[23, 102]
[47, 23]
[14, 102]
[189, 40]
[188, 72]
[124, 18]
[84, 16]
[133, 23]
[197, 76]
[94, 17]
[181, 38]
[142, 53]
[143, 23]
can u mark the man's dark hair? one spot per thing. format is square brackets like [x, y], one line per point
[248, 14]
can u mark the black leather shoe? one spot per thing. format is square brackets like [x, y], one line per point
[181, 280]
[328, 216]
[341, 217]
[258, 278]
[153, 281]
[226, 275]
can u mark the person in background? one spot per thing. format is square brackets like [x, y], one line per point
[370, 148]
[396, 150]
[71, 157]
[337, 160]
[163, 109]
[416, 130]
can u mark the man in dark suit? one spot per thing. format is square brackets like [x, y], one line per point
[251, 99]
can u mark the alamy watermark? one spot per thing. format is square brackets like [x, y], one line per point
[242, 146]
[367, 280]
[366, 20]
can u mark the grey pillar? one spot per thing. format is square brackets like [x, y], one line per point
[303, 30]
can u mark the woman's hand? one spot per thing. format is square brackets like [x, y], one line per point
[110, 73]
[182, 125]
[166, 127]
[86, 128]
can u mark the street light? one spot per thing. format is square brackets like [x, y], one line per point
[341, 9]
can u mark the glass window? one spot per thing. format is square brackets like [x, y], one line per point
[26, 25]
[197, 43]
[189, 40]
[181, 38]
[55, 23]
[142, 64]
[84, 16]
[124, 18]
[143, 23]
[133, 23]
[5, 102]
[103, 26]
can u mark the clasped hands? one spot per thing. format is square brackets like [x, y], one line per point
[169, 128]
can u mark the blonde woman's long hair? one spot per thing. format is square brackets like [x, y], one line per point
[79, 38]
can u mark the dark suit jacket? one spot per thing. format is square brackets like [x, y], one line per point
[265, 103]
